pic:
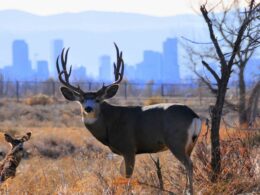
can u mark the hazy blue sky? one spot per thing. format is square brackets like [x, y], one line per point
[150, 7]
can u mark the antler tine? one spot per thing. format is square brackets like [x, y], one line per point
[64, 61]
[57, 64]
[118, 66]
[64, 73]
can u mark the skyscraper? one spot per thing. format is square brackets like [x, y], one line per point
[105, 68]
[130, 73]
[42, 70]
[150, 68]
[153, 63]
[57, 46]
[79, 74]
[21, 64]
[170, 68]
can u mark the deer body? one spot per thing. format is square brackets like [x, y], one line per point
[131, 130]
[135, 129]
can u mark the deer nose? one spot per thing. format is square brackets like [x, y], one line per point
[88, 109]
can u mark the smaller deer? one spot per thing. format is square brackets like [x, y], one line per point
[13, 158]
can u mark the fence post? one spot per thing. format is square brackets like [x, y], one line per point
[53, 88]
[162, 90]
[6, 88]
[1, 85]
[125, 90]
[89, 86]
[36, 87]
[17, 91]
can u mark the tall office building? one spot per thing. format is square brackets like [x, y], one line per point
[130, 73]
[22, 68]
[153, 64]
[79, 74]
[150, 68]
[170, 68]
[105, 73]
[42, 70]
[57, 46]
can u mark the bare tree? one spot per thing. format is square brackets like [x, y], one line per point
[251, 40]
[228, 59]
[226, 25]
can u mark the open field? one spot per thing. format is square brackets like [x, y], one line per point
[64, 158]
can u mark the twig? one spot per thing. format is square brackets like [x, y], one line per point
[158, 171]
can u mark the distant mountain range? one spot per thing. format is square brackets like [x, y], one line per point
[93, 21]
[91, 34]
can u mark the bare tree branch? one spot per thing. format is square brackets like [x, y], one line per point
[209, 85]
[241, 31]
[215, 75]
[212, 35]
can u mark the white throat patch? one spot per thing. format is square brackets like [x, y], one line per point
[89, 118]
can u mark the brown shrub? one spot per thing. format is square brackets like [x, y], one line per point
[238, 172]
[55, 148]
[254, 141]
[39, 99]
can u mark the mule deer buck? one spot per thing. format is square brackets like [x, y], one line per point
[131, 130]
[13, 158]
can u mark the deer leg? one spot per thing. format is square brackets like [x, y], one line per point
[189, 169]
[127, 166]
[184, 158]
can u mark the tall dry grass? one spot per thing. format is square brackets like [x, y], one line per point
[91, 168]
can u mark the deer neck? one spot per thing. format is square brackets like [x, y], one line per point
[14, 158]
[99, 126]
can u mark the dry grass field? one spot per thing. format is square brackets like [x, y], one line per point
[64, 158]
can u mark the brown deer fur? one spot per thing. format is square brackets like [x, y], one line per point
[13, 158]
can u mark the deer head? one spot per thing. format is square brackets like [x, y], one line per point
[89, 101]
[17, 144]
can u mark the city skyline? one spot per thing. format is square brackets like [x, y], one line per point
[91, 35]
[159, 67]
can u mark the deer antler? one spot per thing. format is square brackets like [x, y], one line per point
[64, 73]
[118, 66]
[118, 70]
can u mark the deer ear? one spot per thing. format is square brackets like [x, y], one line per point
[29, 134]
[26, 137]
[8, 138]
[111, 91]
[69, 94]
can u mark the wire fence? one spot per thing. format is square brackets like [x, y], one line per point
[24, 89]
